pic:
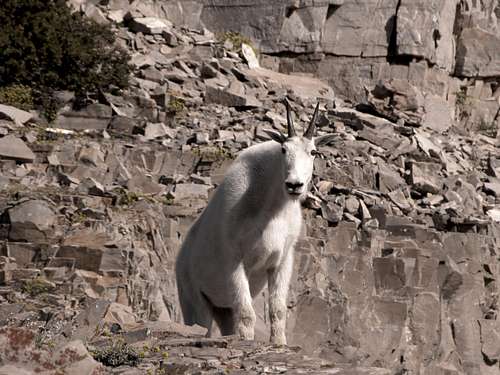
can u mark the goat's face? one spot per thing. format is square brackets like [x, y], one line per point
[298, 154]
[298, 160]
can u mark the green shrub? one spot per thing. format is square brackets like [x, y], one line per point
[45, 46]
[176, 105]
[117, 354]
[20, 96]
[37, 286]
[236, 40]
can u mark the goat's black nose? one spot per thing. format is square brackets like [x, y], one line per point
[294, 185]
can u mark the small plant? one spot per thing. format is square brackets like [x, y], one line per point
[48, 104]
[125, 197]
[19, 96]
[78, 217]
[117, 354]
[213, 153]
[236, 39]
[37, 286]
[167, 200]
[41, 340]
[176, 105]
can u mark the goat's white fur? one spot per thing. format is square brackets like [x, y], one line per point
[245, 237]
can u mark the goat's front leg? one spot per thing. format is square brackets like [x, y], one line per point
[244, 313]
[278, 284]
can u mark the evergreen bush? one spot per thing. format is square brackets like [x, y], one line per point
[47, 47]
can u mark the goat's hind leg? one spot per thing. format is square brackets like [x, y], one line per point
[198, 311]
[224, 317]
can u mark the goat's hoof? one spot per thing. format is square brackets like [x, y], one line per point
[278, 341]
[246, 334]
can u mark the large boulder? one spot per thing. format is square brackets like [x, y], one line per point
[425, 29]
[32, 221]
[359, 28]
[478, 54]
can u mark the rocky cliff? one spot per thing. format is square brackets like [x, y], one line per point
[397, 270]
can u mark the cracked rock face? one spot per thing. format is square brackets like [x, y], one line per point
[397, 268]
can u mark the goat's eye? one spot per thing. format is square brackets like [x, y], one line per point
[314, 153]
[283, 150]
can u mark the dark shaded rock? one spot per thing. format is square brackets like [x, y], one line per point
[389, 274]
[331, 211]
[149, 25]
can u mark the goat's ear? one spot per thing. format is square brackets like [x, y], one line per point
[324, 139]
[275, 135]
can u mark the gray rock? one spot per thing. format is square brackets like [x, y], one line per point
[407, 101]
[346, 32]
[91, 186]
[15, 114]
[331, 211]
[14, 148]
[32, 221]
[425, 177]
[208, 71]
[388, 179]
[94, 116]
[123, 125]
[352, 205]
[400, 200]
[493, 187]
[425, 29]
[152, 74]
[144, 185]
[478, 54]
[202, 138]
[157, 130]
[230, 98]
[190, 191]
[494, 214]
[93, 251]
[438, 114]
[94, 13]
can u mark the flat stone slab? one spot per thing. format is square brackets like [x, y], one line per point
[15, 114]
[12, 147]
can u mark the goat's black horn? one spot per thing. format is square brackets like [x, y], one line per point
[309, 133]
[291, 129]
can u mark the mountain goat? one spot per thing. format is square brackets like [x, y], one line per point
[246, 236]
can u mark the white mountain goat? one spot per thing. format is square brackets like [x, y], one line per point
[247, 234]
